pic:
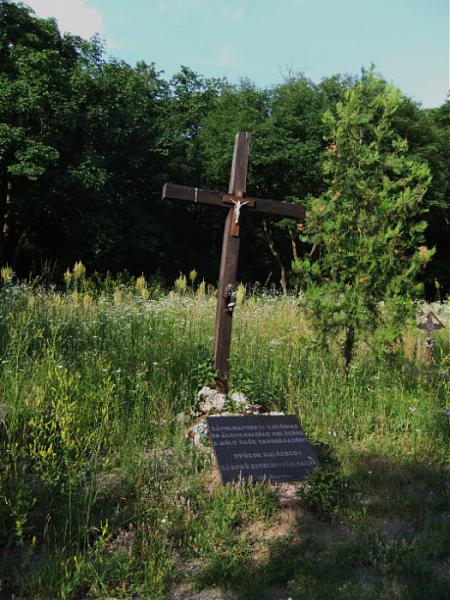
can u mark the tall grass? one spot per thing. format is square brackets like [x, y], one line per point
[100, 494]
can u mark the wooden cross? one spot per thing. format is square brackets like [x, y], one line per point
[429, 327]
[237, 202]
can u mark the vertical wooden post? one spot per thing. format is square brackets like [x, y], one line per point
[228, 263]
[236, 200]
[428, 353]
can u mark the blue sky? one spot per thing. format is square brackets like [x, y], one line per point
[264, 40]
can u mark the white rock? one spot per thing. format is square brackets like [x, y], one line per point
[210, 400]
[205, 391]
[239, 400]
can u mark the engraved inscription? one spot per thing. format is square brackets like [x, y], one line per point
[261, 447]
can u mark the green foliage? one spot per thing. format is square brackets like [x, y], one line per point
[329, 492]
[101, 494]
[75, 130]
[86, 143]
[367, 229]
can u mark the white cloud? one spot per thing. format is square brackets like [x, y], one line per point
[233, 14]
[176, 7]
[225, 56]
[74, 16]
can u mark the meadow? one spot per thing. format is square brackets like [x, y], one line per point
[102, 496]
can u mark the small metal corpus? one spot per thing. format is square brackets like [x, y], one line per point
[230, 298]
[237, 201]
[237, 210]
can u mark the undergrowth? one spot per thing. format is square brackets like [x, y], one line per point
[101, 495]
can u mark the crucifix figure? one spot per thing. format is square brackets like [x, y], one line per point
[429, 327]
[235, 202]
[237, 210]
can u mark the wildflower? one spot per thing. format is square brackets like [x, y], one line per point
[142, 287]
[192, 276]
[67, 277]
[79, 271]
[117, 296]
[6, 274]
[87, 300]
[141, 283]
[201, 291]
[181, 284]
[240, 294]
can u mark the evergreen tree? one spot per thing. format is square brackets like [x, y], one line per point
[367, 229]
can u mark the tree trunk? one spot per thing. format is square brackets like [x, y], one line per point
[17, 250]
[293, 244]
[277, 256]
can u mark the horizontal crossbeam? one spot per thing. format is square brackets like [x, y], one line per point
[260, 205]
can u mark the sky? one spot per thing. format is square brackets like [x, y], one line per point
[267, 40]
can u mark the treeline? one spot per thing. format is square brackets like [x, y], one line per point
[86, 143]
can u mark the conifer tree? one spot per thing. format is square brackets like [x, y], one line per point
[366, 231]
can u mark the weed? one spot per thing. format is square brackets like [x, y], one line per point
[100, 492]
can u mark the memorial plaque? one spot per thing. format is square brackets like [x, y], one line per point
[263, 448]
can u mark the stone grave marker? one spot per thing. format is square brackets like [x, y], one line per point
[261, 448]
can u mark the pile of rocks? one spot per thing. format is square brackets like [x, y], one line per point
[210, 401]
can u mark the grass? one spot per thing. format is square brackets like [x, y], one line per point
[101, 496]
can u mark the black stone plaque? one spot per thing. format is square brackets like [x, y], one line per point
[270, 448]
